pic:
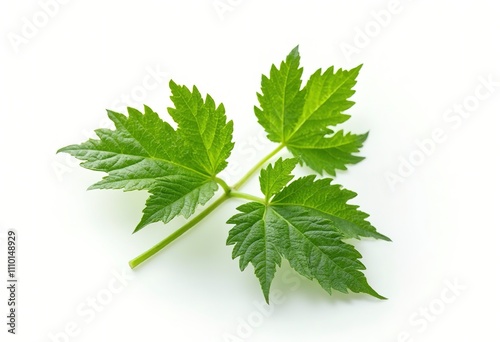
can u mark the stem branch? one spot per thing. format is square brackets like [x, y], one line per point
[228, 192]
[247, 196]
[249, 174]
[162, 244]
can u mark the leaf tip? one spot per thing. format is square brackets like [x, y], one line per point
[374, 293]
[147, 109]
[63, 149]
[266, 297]
[139, 227]
[172, 84]
[93, 187]
[364, 136]
[111, 113]
[356, 70]
[294, 52]
[385, 238]
[378, 296]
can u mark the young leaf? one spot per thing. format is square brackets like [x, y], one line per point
[305, 222]
[275, 177]
[301, 119]
[177, 167]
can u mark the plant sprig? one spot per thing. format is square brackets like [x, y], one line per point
[305, 220]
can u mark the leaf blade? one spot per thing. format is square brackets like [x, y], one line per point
[262, 235]
[326, 100]
[330, 154]
[144, 152]
[253, 245]
[330, 202]
[203, 127]
[302, 119]
[282, 99]
[176, 195]
[317, 251]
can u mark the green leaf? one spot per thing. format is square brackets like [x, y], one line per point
[275, 177]
[326, 99]
[305, 222]
[263, 234]
[203, 128]
[176, 195]
[330, 154]
[330, 202]
[315, 250]
[178, 167]
[302, 119]
[255, 243]
[281, 99]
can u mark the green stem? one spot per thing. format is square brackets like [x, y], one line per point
[223, 184]
[249, 174]
[162, 244]
[228, 192]
[247, 196]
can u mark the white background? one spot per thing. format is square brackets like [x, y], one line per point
[424, 60]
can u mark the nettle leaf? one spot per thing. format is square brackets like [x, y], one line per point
[303, 119]
[177, 167]
[305, 222]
